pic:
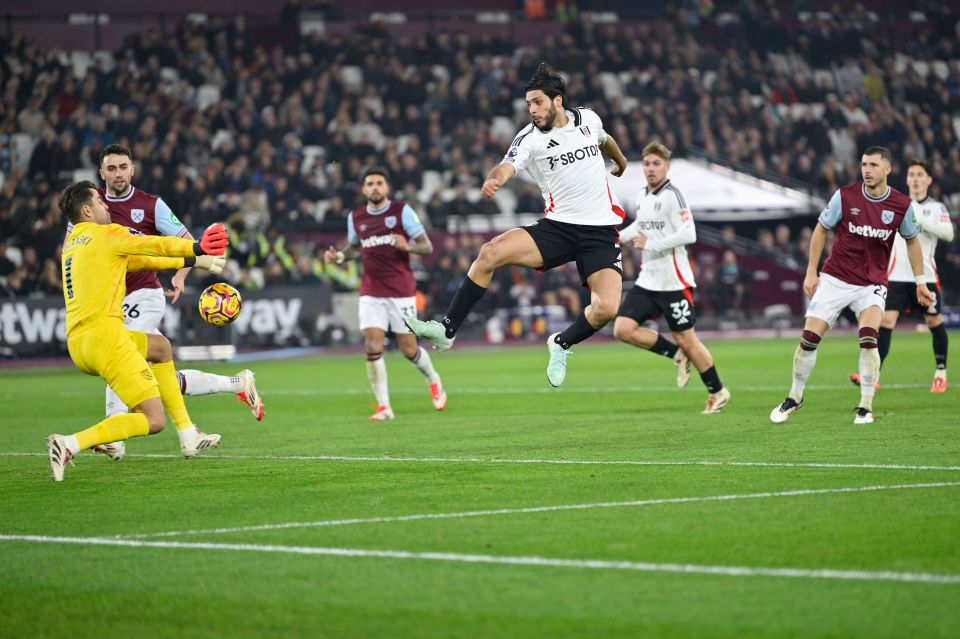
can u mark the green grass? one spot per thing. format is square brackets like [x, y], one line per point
[617, 405]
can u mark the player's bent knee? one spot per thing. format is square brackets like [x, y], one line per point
[604, 310]
[488, 257]
[159, 349]
[623, 328]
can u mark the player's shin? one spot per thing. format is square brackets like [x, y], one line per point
[869, 366]
[576, 332]
[463, 300]
[424, 364]
[112, 429]
[377, 374]
[804, 359]
[193, 383]
[170, 394]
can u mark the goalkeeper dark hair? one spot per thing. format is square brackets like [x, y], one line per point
[922, 164]
[75, 197]
[548, 81]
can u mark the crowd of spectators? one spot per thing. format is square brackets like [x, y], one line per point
[274, 140]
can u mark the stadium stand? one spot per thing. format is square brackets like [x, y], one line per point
[265, 122]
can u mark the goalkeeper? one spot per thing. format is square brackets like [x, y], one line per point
[96, 258]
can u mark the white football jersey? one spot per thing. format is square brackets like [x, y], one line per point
[933, 219]
[664, 218]
[567, 166]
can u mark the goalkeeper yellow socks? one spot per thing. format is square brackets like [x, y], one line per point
[166, 377]
[112, 429]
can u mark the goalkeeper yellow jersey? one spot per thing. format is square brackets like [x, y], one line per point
[96, 258]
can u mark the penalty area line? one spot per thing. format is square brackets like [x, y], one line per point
[594, 564]
[536, 509]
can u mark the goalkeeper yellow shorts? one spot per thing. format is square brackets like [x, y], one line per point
[118, 355]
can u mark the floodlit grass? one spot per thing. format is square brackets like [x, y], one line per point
[318, 523]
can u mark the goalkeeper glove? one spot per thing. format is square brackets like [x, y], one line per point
[212, 263]
[213, 241]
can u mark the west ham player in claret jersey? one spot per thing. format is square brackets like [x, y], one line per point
[934, 223]
[864, 217]
[144, 304]
[564, 151]
[664, 288]
[385, 233]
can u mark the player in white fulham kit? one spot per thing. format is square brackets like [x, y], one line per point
[564, 151]
[934, 223]
[385, 233]
[663, 227]
[864, 216]
[144, 302]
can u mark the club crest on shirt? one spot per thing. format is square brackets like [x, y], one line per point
[887, 216]
[390, 221]
[136, 215]
[585, 130]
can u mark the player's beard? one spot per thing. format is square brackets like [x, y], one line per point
[548, 120]
[116, 191]
[376, 200]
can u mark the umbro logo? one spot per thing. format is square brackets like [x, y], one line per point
[552, 143]
[854, 211]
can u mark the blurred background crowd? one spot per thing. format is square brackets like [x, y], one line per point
[272, 137]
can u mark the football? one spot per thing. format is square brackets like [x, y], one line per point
[220, 304]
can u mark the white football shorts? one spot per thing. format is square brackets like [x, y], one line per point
[386, 313]
[143, 310]
[833, 295]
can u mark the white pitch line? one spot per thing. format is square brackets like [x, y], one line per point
[595, 564]
[536, 509]
[511, 390]
[497, 460]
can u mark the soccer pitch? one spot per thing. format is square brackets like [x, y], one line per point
[607, 508]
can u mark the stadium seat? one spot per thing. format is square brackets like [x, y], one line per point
[502, 129]
[80, 61]
[310, 154]
[352, 77]
[207, 96]
[23, 144]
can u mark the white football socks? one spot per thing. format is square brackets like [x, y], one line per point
[423, 363]
[377, 374]
[869, 371]
[193, 382]
[803, 362]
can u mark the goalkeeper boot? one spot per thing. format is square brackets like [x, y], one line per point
[249, 394]
[682, 362]
[557, 366]
[716, 401]
[59, 456]
[786, 408]
[432, 331]
[113, 450]
[193, 445]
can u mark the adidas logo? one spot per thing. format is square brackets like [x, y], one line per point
[552, 143]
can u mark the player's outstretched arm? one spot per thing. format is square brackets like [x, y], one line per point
[211, 263]
[611, 150]
[817, 242]
[126, 241]
[915, 255]
[500, 175]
